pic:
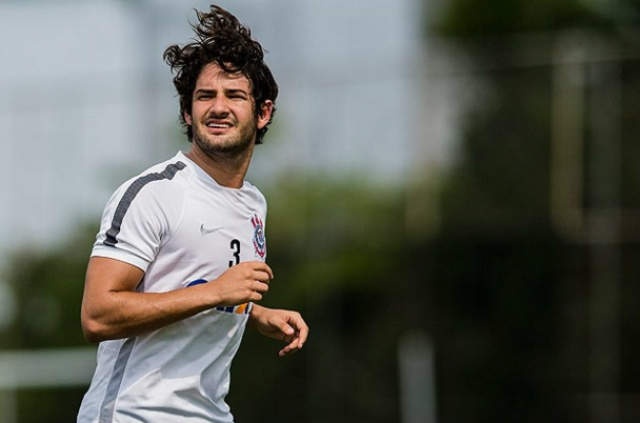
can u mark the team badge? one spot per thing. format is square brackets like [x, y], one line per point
[259, 241]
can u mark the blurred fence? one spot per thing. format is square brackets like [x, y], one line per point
[41, 369]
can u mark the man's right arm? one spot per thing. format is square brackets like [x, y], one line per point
[113, 309]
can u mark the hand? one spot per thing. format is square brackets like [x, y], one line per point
[242, 283]
[283, 325]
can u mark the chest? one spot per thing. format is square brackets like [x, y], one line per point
[216, 232]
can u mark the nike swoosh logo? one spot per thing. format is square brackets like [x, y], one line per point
[206, 231]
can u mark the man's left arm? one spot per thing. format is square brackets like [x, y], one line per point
[283, 325]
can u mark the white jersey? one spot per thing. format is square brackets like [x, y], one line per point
[181, 228]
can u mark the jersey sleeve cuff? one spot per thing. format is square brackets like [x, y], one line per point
[120, 255]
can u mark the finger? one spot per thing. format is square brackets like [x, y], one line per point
[303, 334]
[261, 276]
[284, 352]
[287, 330]
[259, 287]
[295, 343]
[264, 267]
[291, 348]
[301, 329]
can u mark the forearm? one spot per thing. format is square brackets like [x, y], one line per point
[113, 309]
[123, 314]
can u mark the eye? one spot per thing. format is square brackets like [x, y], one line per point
[237, 95]
[204, 95]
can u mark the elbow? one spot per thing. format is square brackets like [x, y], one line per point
[93, 330]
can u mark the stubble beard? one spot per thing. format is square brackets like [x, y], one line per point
[230, 149]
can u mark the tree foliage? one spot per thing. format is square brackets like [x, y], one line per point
[473, 18]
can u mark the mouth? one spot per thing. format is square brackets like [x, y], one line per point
[218, 125]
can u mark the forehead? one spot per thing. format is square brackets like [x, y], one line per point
[212, 76]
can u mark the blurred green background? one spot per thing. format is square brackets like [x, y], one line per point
[464, 197]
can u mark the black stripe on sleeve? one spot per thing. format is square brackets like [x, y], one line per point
[168, 173]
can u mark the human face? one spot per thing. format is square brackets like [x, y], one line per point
[222, 115]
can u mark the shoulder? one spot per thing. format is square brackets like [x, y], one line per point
[163, 180]
[158, 192]
[173, 172]
[145, 209]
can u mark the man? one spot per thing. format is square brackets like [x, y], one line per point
[179, 261]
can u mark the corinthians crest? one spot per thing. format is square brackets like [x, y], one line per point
[259, 241]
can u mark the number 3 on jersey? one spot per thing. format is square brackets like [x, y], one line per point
[235, 248]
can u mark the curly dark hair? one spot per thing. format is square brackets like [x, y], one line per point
[222, 39]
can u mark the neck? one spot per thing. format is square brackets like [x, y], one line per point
[226, 171]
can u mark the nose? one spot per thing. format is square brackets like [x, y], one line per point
[219, 106]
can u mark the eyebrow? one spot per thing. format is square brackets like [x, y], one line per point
[227, 90]
[237, 91]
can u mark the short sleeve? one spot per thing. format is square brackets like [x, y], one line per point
[137, 219]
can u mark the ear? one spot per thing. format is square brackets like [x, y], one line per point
[187, 118]
[266, 108]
